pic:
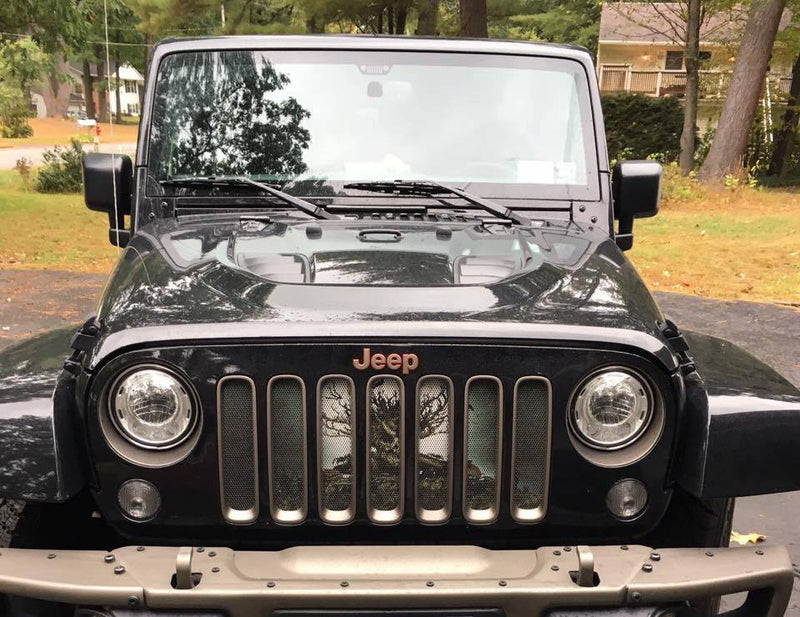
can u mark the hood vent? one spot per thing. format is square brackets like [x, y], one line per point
[481, 270]
[278, 268]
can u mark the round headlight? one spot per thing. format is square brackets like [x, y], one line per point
[152, 408]
[611, 409]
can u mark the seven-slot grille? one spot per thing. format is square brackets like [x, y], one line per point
[388, 416]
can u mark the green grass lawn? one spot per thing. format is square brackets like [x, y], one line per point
[53, 232]
[741, 244]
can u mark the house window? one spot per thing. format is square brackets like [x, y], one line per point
[130, 87]
[133, 109]
[674, 61]
[705, 58]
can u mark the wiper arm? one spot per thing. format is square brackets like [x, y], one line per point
[300, 204]
[431, 189]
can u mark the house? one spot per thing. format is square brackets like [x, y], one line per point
[131, 88]
[641, 49]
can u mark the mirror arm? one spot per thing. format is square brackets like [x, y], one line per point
[624, 236]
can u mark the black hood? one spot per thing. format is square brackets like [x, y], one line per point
[351, 271]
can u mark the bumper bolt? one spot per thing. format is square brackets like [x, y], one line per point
[200, 549]
[709, 554]
[759, 551]
[554, 568]
[502, 583]
[133, 601]
[140, 548]
[430, 584]
[119, 570]
[271, 584]
[636, 596]
[212, 554]
[647, 567]
[557, 553]
[655, 556]
[567, 549]
[624, 547]
[109, 558]
[215, 569]
[344, 584]
[51, 556]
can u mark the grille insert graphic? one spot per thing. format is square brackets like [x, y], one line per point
[238, 472]
[385, 437]
[378, 420]
[530, 448]
[482, 460]
[336, 432]
[434, 443]
[286, 427]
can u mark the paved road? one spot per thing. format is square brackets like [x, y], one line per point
[10, 156]
[31, 301]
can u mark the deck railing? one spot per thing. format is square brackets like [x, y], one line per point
[713, 84]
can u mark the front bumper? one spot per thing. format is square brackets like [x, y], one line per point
[521, 582]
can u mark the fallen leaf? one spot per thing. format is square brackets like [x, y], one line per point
[746, 538]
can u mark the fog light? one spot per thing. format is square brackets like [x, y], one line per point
[627, 498]
[139, 499]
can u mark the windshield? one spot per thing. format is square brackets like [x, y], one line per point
[505, 126]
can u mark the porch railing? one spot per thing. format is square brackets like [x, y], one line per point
[713, 84]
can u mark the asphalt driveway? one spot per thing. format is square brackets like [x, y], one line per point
[34, 301]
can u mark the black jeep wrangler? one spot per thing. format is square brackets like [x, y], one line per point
[373, 347]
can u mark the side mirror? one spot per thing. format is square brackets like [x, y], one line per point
[107, 182]
[636, 191]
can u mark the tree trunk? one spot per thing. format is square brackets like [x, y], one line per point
[55, 92]
[148, 55]
[428, 13]
[400, 24]
[727, 149]
[314, 25]
[692, 86]
[88, 91]
[782, 155]
[102, 107]
[473, 18]
[117, 93]
[390, 19]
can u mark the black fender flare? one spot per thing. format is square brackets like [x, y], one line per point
[742, 424]
[40, 454]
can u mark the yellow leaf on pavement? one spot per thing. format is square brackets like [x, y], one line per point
[746, 538]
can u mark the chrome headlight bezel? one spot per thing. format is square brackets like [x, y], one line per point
[642, 429]
[187, 398]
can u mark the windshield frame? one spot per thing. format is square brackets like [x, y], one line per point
[597, 163]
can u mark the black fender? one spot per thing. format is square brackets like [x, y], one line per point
[742, 424]
[40, 457]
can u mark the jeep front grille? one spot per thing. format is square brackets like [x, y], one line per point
[496, 462]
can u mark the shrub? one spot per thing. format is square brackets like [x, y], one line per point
[62, 170]
[14, 113]
[23, 167]
[639, 126]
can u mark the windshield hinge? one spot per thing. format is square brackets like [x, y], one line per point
[678, 345]
[166, 208]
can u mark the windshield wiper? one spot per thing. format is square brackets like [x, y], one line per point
[432, 189]
[300, 204]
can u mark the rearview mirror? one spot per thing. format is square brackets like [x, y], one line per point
[636, 191]
[107, 181]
